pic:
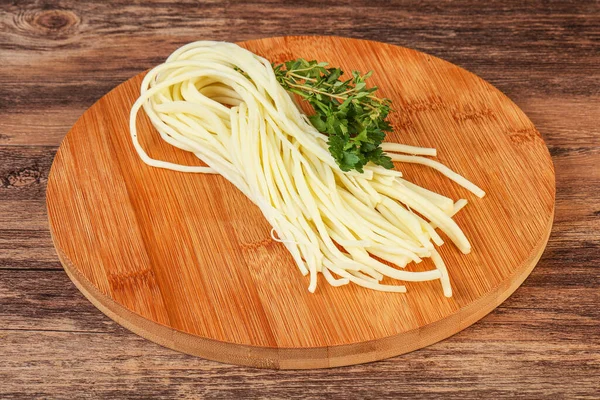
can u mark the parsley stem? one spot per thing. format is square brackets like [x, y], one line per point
[301, 77]
[313, 90]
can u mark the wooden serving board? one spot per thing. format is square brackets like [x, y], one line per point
[187, 261]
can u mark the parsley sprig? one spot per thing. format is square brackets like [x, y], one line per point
[346, 110]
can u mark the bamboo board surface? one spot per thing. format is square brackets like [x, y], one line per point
[187, 261]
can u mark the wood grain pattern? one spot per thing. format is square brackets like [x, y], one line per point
[186, 260]
[542, 342]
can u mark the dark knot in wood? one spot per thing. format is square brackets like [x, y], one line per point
[50, 22]
[21, 178]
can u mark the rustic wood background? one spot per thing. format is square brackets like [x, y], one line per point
[58, 57]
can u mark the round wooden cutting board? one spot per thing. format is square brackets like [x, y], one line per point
[187, 261]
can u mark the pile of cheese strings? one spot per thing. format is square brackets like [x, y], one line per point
[224, 104]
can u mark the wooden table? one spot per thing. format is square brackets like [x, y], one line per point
[58, 57]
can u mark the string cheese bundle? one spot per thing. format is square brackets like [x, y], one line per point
[224, 104]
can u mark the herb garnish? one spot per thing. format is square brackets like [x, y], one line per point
[346, 110]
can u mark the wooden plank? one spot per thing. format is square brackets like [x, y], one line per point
[549, 115]
[27, 249]
[24, 172]
[47, 300]
[24, 214]
[60, 365]
[504, 34]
